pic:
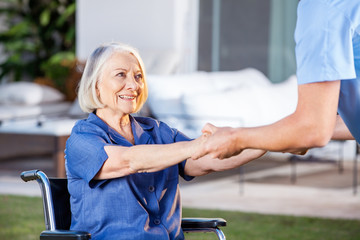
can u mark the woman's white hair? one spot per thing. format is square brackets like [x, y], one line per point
[87, 92]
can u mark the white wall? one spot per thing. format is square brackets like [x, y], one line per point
[157, 26]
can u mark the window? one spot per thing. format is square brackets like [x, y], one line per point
[236, 34]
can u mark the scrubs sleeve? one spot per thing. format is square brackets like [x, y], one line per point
[85, 155]
[324, 50]
[180, 137]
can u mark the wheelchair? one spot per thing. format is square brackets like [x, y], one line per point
[57, 213]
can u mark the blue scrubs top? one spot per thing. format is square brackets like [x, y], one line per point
[328, 48]
[138, 206]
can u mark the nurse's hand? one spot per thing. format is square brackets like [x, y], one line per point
[221, 144]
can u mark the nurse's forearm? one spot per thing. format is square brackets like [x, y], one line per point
[291, 134]
[311, 125]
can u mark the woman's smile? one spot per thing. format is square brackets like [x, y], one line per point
[127, 97]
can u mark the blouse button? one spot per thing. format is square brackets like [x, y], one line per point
[151, 188]
[157, 221]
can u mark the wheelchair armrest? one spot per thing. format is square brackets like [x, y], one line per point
[202, 223]
[64, 235]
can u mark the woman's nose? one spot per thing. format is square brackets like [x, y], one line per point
[131, 83]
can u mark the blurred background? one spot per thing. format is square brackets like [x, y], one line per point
[228, 62]
[200, 35]
[205, 35]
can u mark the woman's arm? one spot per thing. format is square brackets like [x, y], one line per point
[207, 164]
[123, 161]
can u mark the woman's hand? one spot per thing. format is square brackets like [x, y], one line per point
[199, 143]
[207, 164]
[221, 144]
[300, 152]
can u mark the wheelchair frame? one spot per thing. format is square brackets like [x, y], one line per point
[52, 233]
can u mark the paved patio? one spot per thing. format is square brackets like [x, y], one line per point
[320, 191]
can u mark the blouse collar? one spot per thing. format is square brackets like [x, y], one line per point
[140, 131]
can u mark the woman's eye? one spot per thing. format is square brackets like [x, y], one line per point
[121, 74]
[138, 77]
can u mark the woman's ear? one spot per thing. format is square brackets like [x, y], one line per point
[98, 95]
[97, 90]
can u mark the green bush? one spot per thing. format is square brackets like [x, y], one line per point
[38, 40]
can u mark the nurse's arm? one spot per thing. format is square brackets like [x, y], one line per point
[123, 161]
[311, 125]
[207, 164]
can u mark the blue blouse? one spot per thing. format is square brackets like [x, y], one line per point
[328, 48]
[138, 206]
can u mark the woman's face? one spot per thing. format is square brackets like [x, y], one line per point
[121, 83]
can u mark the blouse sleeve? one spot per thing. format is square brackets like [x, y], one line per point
[85, 155]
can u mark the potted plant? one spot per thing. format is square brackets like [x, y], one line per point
[38, 40]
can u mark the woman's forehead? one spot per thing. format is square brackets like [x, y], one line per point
[123, 59]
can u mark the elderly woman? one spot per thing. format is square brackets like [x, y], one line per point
[123, 171]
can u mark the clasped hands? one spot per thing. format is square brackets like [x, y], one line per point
[222, 142]
[218, 142]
